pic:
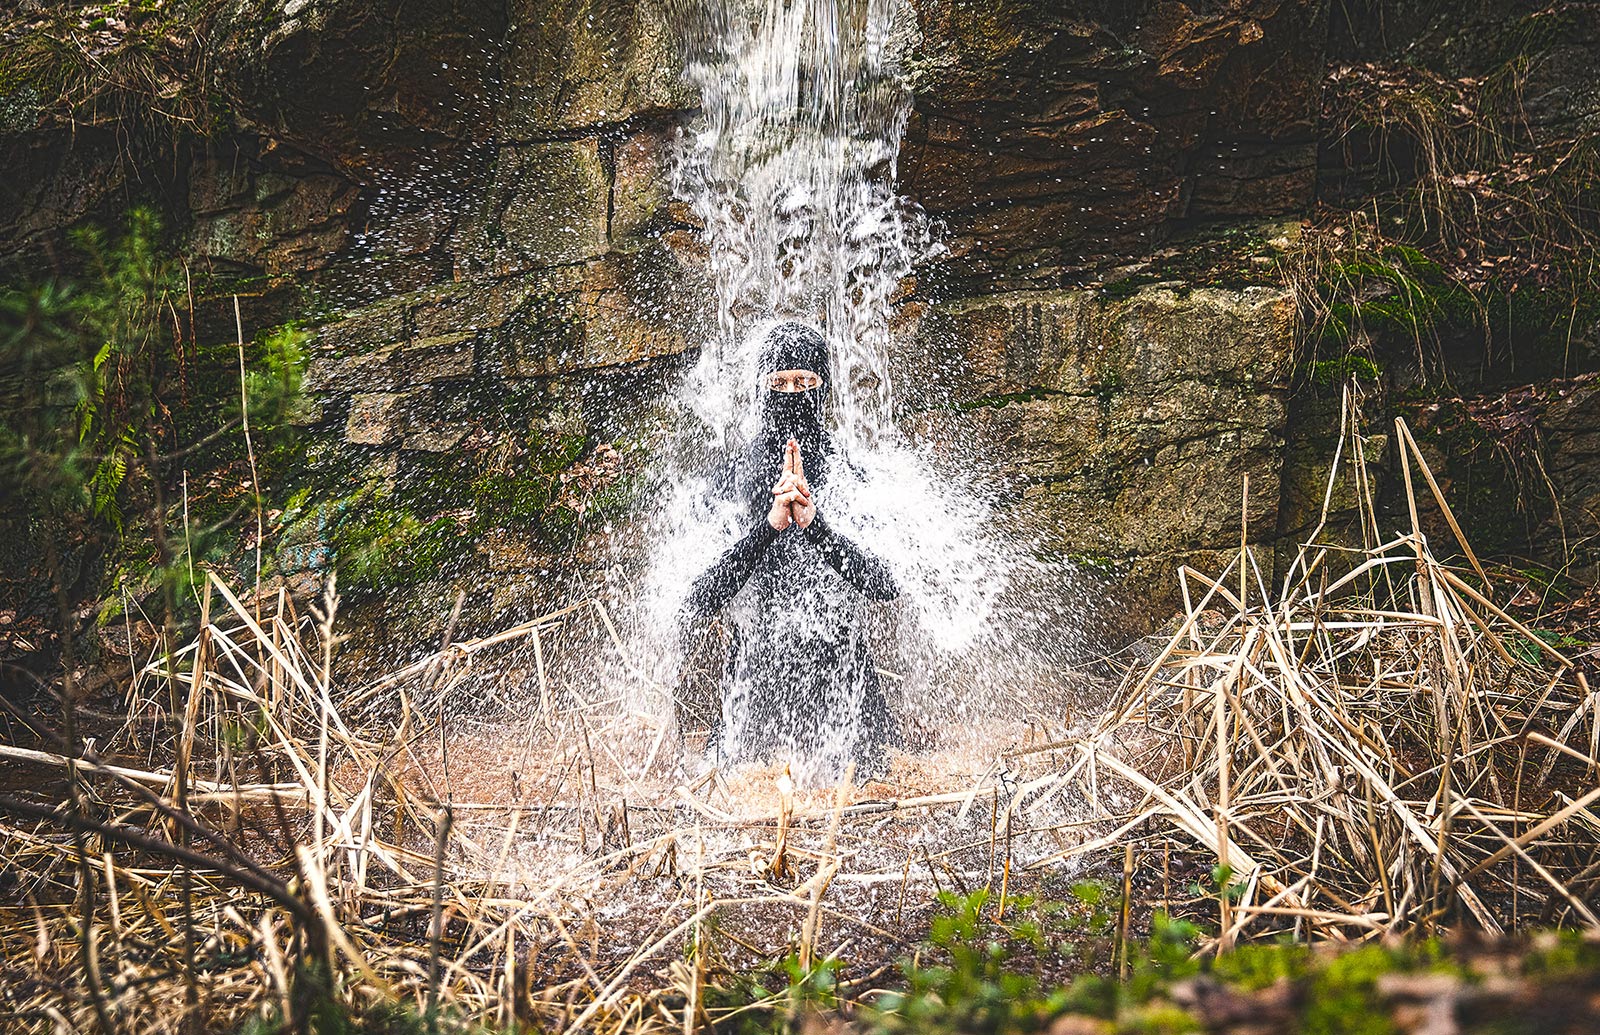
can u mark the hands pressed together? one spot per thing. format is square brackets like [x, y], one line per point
[791, 496]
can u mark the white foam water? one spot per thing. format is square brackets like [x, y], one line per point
[791, 170]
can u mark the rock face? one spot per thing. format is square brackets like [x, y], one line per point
[1051, 137]
[478, 198]
[1128, 425]
[471, 196]
[466, 202]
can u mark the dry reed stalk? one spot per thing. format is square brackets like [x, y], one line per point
[1373, 747]
[1404, 692]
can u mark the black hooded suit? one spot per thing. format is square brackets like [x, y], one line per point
[798, 675]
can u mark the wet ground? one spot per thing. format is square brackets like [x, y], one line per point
[628, 834]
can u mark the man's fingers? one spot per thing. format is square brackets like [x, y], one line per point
[799, 461]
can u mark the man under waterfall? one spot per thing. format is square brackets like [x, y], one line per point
[798, 679]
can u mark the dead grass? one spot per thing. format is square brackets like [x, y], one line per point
[1374, 746]
[556, 868]
[1377, 746]
[120, 65]
[1451, 215]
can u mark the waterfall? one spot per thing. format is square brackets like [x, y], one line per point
[790, 168]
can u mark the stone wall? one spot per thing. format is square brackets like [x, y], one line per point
[1126, 424]
[536, 243]
[466, 202]
[1059, 144]
[1052, 138]
[471, 208]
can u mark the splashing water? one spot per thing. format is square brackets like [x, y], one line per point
[791, 168]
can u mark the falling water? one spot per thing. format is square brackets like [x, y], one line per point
[791, 170]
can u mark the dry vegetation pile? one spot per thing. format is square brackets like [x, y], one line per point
[1379, 746]
[275, 858]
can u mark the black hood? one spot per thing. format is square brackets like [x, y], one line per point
[798, 415]
[794, 346]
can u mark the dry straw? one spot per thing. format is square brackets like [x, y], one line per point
[320, 871]
[1376, 747]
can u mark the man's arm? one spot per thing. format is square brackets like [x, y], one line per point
[859, 568]
[718, 583]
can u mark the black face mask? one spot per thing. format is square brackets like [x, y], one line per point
[798, 415]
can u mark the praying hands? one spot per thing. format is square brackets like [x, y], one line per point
[791, 496]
